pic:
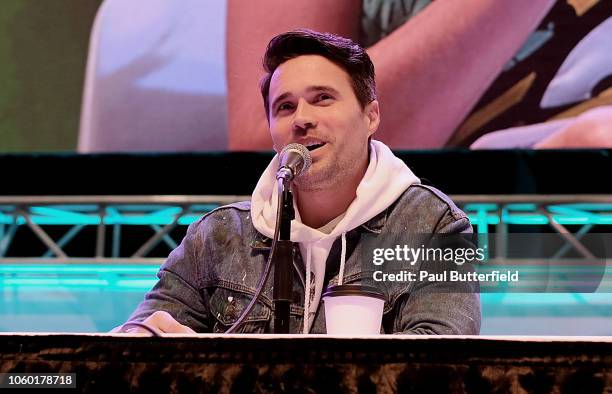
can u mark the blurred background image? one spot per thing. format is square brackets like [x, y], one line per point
[117, 76]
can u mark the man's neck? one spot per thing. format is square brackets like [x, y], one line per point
[318, 207]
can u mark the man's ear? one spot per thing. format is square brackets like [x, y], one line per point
[372, 114]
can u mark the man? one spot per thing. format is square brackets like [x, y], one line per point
[319, 91]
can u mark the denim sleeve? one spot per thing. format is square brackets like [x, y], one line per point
[177, 291]
[441, 307]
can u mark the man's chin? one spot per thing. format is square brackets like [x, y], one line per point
[315, 179]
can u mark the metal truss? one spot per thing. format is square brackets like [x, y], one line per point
[38, 215]
[163, 214]
[495, 213]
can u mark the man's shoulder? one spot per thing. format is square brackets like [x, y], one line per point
[225, 225]
[427, 208]
[429, 196]
[241, 206]
[237, 212]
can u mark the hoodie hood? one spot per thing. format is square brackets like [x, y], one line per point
[385, 179]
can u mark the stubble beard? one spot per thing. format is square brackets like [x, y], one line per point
[325, 175]
[323, 178]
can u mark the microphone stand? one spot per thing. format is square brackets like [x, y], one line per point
[283, 259]
[294, 160]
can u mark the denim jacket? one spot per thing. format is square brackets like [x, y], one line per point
[212, 275]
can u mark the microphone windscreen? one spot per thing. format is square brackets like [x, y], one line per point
[296, 157]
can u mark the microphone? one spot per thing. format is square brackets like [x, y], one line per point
[294, 160]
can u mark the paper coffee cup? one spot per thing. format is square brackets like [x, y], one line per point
[353, 309]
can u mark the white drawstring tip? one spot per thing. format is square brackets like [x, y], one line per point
[342, 260]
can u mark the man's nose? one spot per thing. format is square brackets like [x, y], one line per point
[303, 116]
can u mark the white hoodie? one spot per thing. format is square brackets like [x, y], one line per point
[386, 178]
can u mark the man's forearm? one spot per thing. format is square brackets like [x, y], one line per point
[432, 70]
[171, 294]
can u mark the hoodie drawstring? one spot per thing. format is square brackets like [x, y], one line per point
[342, 259]
[307, 293]
[306, 329]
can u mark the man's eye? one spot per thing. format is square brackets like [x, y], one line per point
[284, 106]
[324, 96]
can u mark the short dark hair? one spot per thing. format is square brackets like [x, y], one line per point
[342, 51]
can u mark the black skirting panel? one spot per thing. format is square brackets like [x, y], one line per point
[452, 171]
[407, 365]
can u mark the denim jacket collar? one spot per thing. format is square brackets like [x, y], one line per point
[374, 225]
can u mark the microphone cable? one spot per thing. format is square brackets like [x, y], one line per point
[266, 273]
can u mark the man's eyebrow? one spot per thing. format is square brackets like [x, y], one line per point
[322, 88]
[316, 88]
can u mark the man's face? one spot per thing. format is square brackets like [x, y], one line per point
[312, 102]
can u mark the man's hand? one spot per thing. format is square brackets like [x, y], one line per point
[161, 321]
[591, 129]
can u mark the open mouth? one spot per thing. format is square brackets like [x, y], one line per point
[315, 146]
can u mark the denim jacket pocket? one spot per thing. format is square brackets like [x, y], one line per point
[226, 306]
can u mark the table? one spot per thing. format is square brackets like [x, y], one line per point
[117, 363]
